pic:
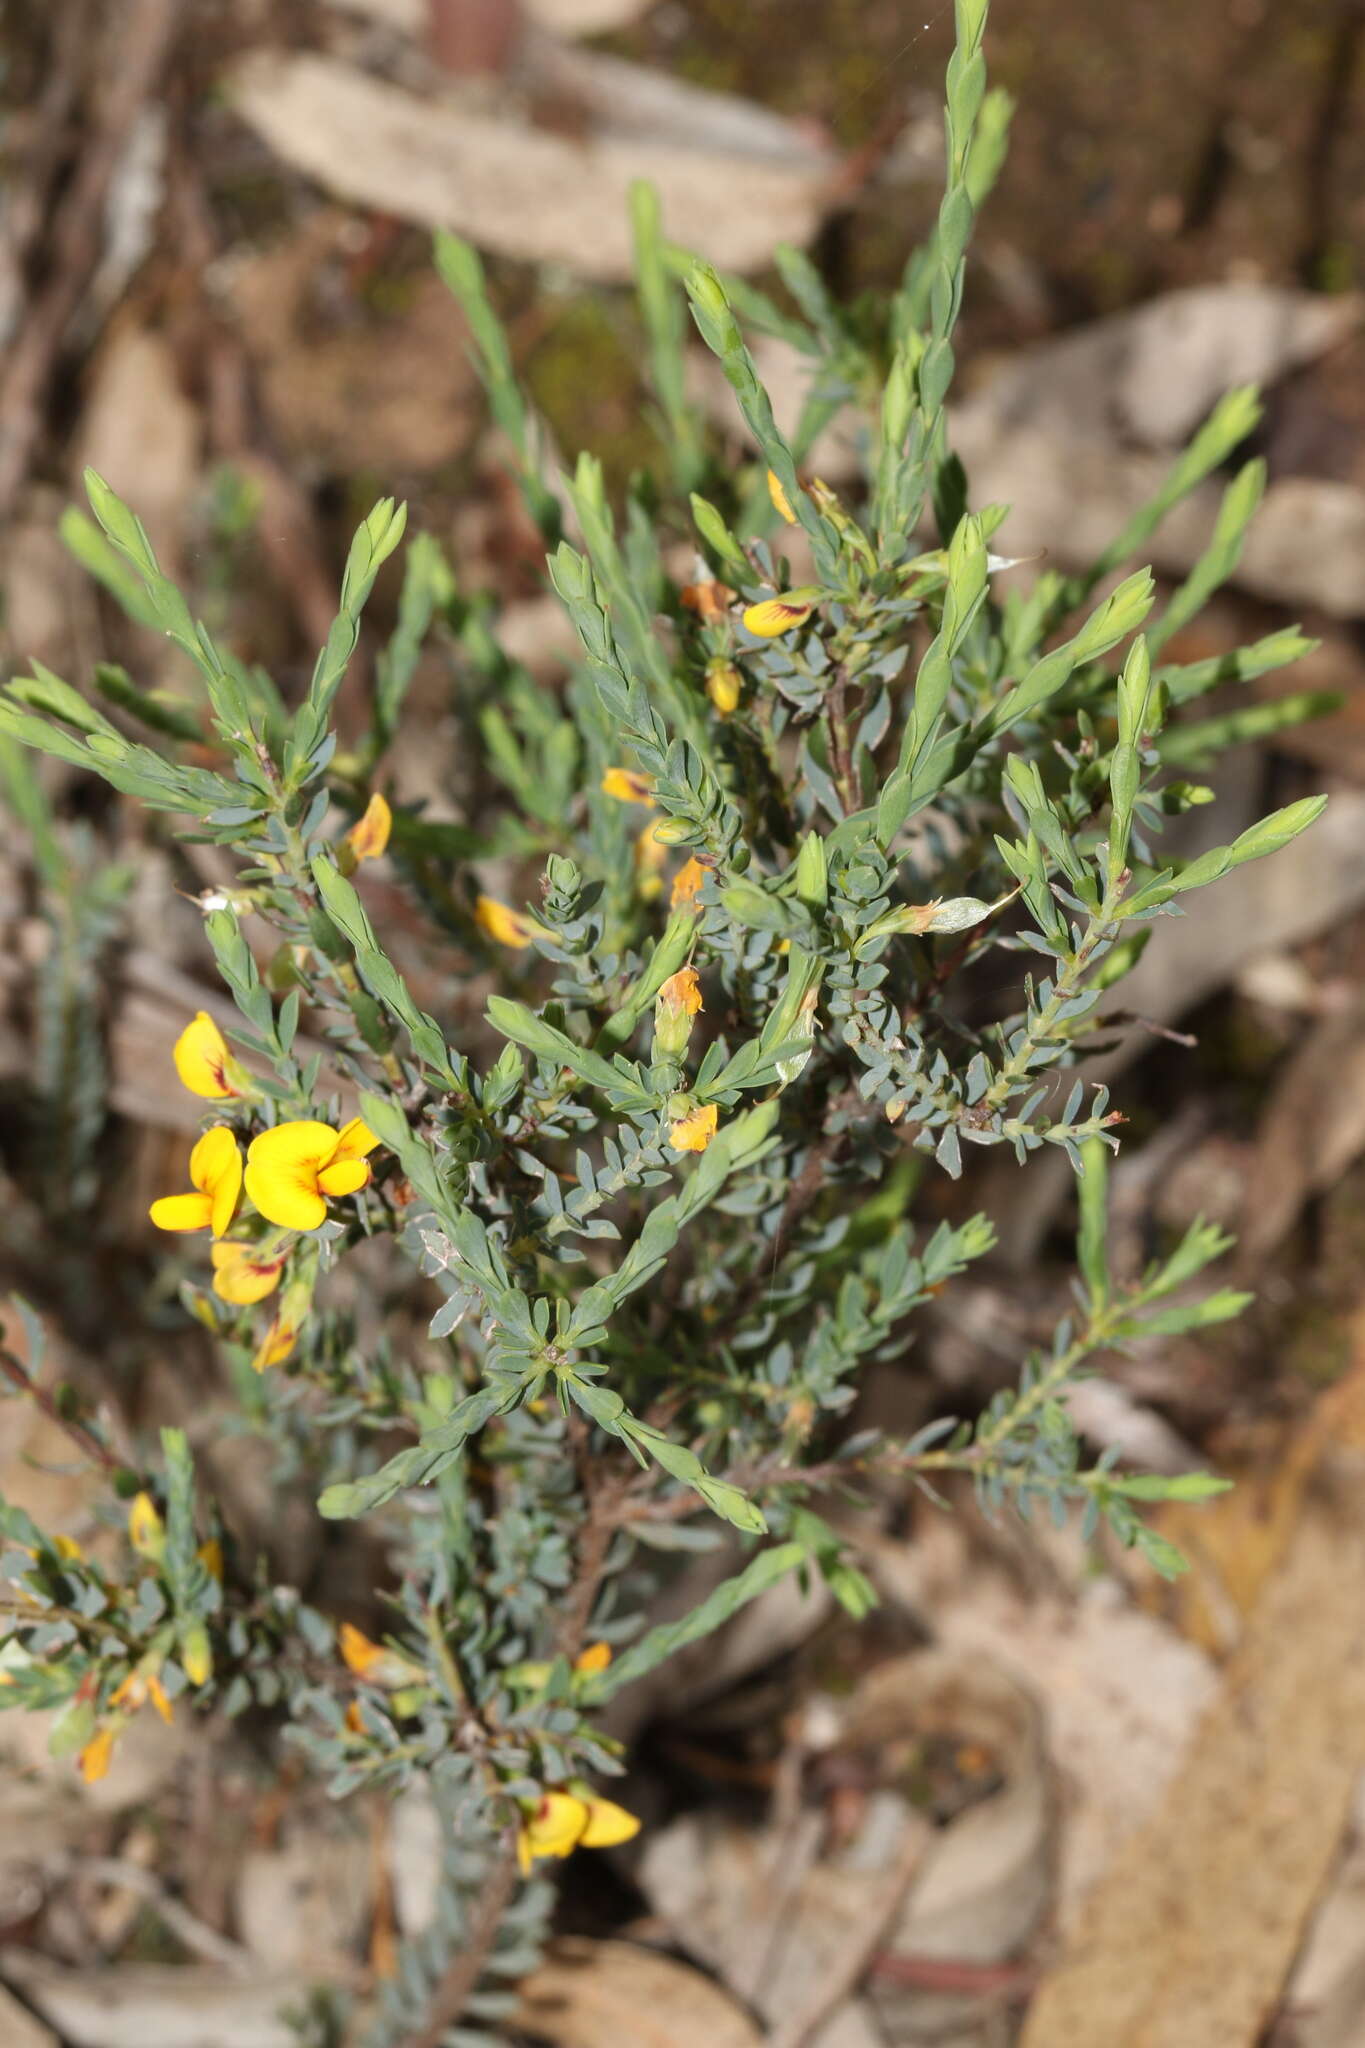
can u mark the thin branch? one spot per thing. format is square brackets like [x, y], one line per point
[451, 1995]
[83, 1437]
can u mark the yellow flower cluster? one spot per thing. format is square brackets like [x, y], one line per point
[289, 1175]
[561, 1822]
[142, 1686]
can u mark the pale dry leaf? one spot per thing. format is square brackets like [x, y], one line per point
[624, 99]
[560, 17]
[1220, 1883]
[588, 1993]
[1311, 1129]
[131, 209]
[48, 610]
[1324, 2006]
[145, 2005]
[585, 17]
[1151, 375]
[773, 1910]
[18, 2027]
[1070, 494]
[1120, 1693]
[758, 1909]
[1235, 1543]
[986, 1878]
[301, 1908]
[512, 188]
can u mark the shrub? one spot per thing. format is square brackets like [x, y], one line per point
[665, 1206]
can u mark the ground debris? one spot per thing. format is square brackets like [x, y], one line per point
[1220, 1883]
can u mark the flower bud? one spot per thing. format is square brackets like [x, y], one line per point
[723, 685]
[780, 501]
[195, 1654]
[146, 1531]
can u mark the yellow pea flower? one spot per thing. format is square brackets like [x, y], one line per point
[205, 1065]
[94, 1758]
[774, 615]
[607, 1825]
[694, 1129]
[281, 1336]
[709, 601]
[596, 1657]
[293, 1169]
[650, 854]
[210, 1555]
[505, 926]
[628, 785]
[681, 993]
[686, 884]
[243, 1274]
[68, 1549]
[216, 1174]
[780, 501]
[146, 1531]
[137, 1689]
[553, 1827]
[676, 1004]
[372, 1662]
[369, 836]
[724, 685]
[561, 1822]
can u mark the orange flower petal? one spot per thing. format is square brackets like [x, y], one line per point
[708, 600]
[628, 785]
[682, 992]
[686, 883]
[277, 1344]
[358, 1652]
[694, 1132]
[94, 1758]
[502, 924]
[369, 836]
